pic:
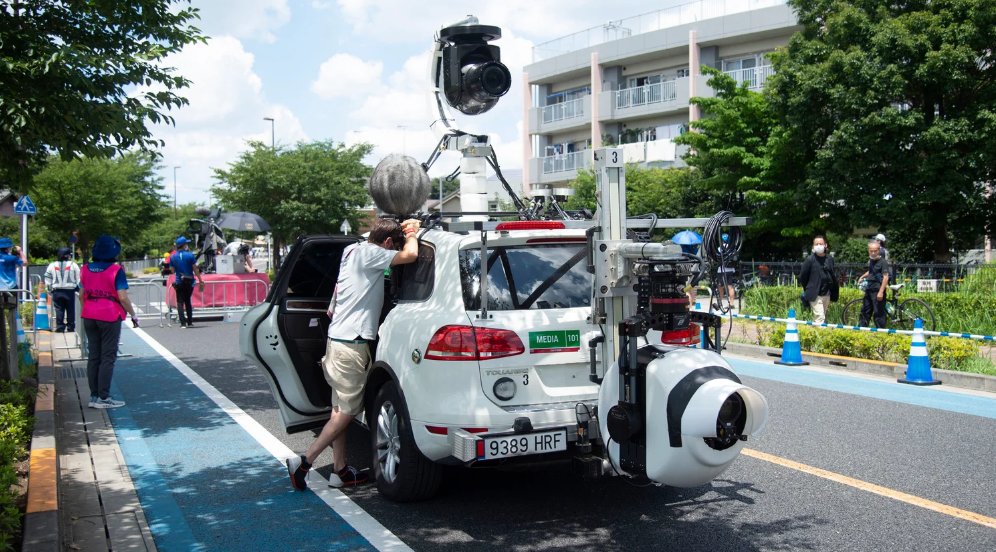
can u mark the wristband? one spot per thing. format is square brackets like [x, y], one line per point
[410, 231]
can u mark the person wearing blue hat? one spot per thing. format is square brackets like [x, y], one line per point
[105, 302]
[184, 266]
[11, 257]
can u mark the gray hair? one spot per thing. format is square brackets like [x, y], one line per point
[399, 185]
[875, 243]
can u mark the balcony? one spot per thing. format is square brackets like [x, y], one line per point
[566, 162]
[754, 77]
[649, 94]
[565, 110]
[654, 21]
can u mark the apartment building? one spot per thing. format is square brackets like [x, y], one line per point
[628, 83]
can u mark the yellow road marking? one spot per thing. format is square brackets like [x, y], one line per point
[876, 489]
[43, 493]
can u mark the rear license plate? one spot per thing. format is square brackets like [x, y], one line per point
[522, 445]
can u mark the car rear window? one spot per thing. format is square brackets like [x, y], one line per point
[526, 277]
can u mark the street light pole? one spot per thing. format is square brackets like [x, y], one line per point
[174, 190]
[273, 133]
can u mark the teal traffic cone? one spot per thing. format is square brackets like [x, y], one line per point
[918, 367]
[41, 313]
[23, 348]
[791, 350]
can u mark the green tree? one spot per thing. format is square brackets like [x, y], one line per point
[888, 107]
[119, 196]
[731, 147]
[42, 244]
[664, 192]
[307, 189]
[448, 187]
[68, 72]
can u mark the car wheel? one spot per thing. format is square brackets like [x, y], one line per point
[402, 472]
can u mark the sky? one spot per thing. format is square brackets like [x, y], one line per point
[344, 70]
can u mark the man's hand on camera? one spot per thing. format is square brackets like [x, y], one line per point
[411, 226]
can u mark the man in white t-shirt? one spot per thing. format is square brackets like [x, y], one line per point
[355, 312]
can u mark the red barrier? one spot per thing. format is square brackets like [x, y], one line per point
[228, 290]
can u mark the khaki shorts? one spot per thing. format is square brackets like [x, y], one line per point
[345, 366]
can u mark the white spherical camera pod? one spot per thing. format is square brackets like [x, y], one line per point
[670, 414]
[466, 73]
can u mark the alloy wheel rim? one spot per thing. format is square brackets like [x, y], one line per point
[388, 442]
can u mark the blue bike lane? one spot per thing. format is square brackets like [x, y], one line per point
[205, 482]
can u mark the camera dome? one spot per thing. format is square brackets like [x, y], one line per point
[399, 185]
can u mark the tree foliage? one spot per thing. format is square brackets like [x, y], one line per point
[889, 108]
[448, 187]
[120, 196]
[68, 72]
[308, 189]
[732, 147]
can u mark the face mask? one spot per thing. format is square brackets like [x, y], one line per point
[873, 257]
[819, 249]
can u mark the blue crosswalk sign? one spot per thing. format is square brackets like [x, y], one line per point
[25, 206]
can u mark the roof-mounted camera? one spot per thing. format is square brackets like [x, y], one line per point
[474, 77]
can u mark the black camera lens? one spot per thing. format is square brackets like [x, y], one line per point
[731, 408]
[487, 81]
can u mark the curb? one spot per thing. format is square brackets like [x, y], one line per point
[967, 380]
[41, 521]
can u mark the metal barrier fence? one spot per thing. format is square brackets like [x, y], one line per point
[229, 302]
[134, 266]
[862, 328]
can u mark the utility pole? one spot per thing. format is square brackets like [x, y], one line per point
[273, 133]
[273, 145]
[174, 190]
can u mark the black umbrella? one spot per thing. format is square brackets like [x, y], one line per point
[243, 222]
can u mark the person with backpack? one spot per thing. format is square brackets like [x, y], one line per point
[819, 281]
[62, 278]
[105, 302]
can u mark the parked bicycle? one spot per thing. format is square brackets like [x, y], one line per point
[898, 314]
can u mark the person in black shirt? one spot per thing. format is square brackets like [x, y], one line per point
[819, 282]
[878, 280]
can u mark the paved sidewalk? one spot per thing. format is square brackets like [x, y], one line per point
[99, 509]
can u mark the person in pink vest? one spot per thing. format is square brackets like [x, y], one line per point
[105, 302]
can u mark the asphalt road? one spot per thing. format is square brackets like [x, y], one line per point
[930, 453]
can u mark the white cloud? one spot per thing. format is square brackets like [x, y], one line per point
[345, 75]
[256, 19]
[227, 106]
[321, 5]
[404, 20]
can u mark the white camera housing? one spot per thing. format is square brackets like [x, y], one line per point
[693, 462]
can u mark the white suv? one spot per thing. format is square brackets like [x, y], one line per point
[441, 371]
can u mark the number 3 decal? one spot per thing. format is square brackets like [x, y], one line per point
[615, 157]
[525, 379]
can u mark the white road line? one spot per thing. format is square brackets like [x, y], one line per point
[378, 535]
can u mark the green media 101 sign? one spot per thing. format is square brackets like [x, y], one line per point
[563, 341]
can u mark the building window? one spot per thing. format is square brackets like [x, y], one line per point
[682, 73]
[492, 206]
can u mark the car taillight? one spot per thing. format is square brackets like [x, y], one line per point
[469, 343]
[691, 336]
[492, 343]
[530, 225]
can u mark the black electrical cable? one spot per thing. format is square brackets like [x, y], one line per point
[493, 161]
[452, 175]
[721, 252]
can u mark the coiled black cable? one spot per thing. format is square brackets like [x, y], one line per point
[720, 253]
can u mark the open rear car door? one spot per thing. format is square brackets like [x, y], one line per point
[286, 336]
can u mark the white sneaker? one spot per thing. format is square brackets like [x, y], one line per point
[108, 403]
[93, 401]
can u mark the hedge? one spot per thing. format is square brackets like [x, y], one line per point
[949, 353]
[954, 312]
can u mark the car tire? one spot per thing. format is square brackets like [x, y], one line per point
[402, 472]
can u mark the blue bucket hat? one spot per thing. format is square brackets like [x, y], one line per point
[106, 247]
[5, 243]
[182, 240]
